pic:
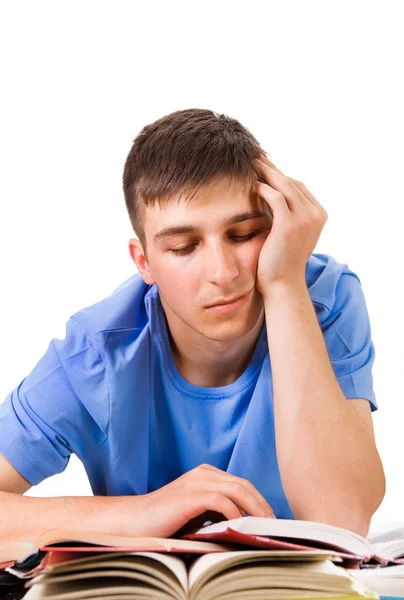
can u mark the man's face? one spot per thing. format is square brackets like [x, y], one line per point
[210, 259]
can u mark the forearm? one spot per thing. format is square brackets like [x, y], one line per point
[329, 465]
[23, 518]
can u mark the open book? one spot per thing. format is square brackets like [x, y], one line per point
[389, 542]
[253, 538]
[67, 538]
[242, 575]
[260, 532]
[388, 581]
[247, 532]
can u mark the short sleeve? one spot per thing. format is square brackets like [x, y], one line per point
[347, 332]
[60, 408]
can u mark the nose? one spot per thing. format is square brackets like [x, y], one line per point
[221, 265]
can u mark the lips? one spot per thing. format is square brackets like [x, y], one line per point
[225, 301]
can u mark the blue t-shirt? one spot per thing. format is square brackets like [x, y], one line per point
[110, 393]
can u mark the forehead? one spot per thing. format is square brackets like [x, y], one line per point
[211, 207]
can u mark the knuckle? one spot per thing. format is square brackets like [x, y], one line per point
[244, 481]
[320, 216]
[195, 473]
[247, 483]
[239, 487]
[214, 497]
[290, 185]
[277, 195]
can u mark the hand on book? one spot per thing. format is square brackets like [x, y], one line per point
[205, 488]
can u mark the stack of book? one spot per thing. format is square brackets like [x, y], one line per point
[242, 559]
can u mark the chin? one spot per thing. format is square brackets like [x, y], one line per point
[233, 324]
[228, 331]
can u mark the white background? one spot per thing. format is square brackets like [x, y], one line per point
[318, 83]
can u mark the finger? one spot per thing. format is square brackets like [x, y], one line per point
[254, 490]
[275, 199]
[246, 501]
[249, 487]
[220, 503]
[265, 159]
[292, 193]
[308, 195]
[250, 495]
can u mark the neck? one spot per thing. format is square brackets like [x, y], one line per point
[209, 363]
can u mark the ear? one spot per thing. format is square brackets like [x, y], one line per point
[137, 254]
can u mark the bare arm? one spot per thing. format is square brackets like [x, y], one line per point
[326, 448]
[23, 518]
[160, 513]
[328, 461]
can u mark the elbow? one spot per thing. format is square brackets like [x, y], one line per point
[361, 527]
[360, 521]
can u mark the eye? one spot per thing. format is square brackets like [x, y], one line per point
[183, 250]
[235, 238]
[240, 238]
[245, 238]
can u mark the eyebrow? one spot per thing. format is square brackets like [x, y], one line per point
[177, 229]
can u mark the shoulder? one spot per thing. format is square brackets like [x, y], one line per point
[77, 365]
[331, 284]
[125, 308]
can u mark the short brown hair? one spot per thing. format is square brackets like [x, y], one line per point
[181, 153]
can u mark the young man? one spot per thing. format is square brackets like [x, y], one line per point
[231, 374]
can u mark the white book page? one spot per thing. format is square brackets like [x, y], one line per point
[386, 581]
[392, 572]
[303, 530]
[388, 539]
[173, 563]
[210, 564]
[387, 532]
